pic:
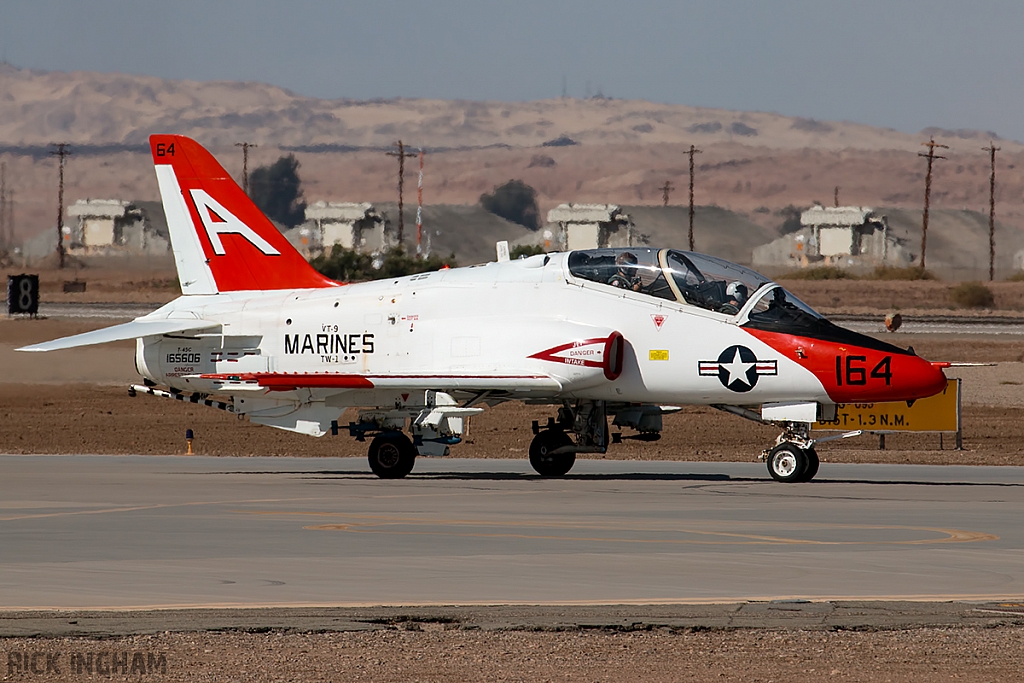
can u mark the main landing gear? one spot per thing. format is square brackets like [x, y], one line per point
[553, 451]
[434, 420]
[582, 427]
[391, 455]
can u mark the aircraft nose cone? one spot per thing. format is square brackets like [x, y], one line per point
[926, 378]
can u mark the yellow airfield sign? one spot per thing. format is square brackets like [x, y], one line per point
[939, 413]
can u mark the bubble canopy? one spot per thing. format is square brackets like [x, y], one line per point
[746, 297]
[686, 277]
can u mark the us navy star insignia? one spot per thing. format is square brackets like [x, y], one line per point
[737, 368]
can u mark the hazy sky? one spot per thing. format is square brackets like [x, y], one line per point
[904, 64]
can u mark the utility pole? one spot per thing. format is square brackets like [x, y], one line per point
[401, 154]
[10, 218]
[3, 206]
[693, 150]
[835, 198]
[665, 189]
[931, 156]
[419, 208]
[246, 146]
[992, 149]
[61, 153]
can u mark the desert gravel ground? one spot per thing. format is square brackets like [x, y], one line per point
[433, 653]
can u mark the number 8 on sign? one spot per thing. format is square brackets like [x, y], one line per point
[23, 294]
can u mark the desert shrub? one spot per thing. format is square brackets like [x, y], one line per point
[347, 265]
[972, 295]
[811, 126]
[562, 140]
[819, 273]
[514, 201]
[525, 251]
[708, 127]
[896, 273]
[742, 129]
[1016, 277]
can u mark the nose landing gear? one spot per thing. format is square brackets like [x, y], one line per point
[788, 462]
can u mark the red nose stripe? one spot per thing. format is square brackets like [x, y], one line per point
[855, 374]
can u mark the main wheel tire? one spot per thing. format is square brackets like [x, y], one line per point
[787, 463]
[546, 463]
[391, 455]
[812, 464]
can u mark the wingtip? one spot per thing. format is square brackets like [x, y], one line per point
[34, 348]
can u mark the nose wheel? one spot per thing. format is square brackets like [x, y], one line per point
[789, 463]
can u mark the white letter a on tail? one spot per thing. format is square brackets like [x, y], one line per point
[219, 221]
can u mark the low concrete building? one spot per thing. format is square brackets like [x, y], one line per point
[352, 225]
[96, 224]
[1018, 260]
[592, 226]
[836, 236]
[842, 231]
[107, 227]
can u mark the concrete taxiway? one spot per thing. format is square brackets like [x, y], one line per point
[108, 532]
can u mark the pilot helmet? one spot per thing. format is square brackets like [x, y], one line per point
[626, 258]
[737, 291]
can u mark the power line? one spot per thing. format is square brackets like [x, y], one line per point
[693, 150]
[246, 146]
[61, 153]
[992, 149]
[931, 156]
[401, 154]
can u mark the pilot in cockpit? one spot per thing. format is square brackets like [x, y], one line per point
[736, 294]
[628, 275]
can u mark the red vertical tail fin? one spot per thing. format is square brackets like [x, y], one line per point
[221, 241]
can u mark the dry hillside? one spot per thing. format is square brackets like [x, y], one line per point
[755, 163]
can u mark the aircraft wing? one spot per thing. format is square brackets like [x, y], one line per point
[283, 381]
[132, 330]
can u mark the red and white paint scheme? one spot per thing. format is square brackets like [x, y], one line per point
[616, 335]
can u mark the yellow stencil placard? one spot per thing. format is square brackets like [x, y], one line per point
[933, 414]
[659, 354]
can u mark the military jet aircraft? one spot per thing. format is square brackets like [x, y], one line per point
[619, 335]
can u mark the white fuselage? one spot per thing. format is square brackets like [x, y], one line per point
[461, 328]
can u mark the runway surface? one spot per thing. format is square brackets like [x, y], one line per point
[136, 532]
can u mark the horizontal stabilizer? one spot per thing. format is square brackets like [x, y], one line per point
[132, 330]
